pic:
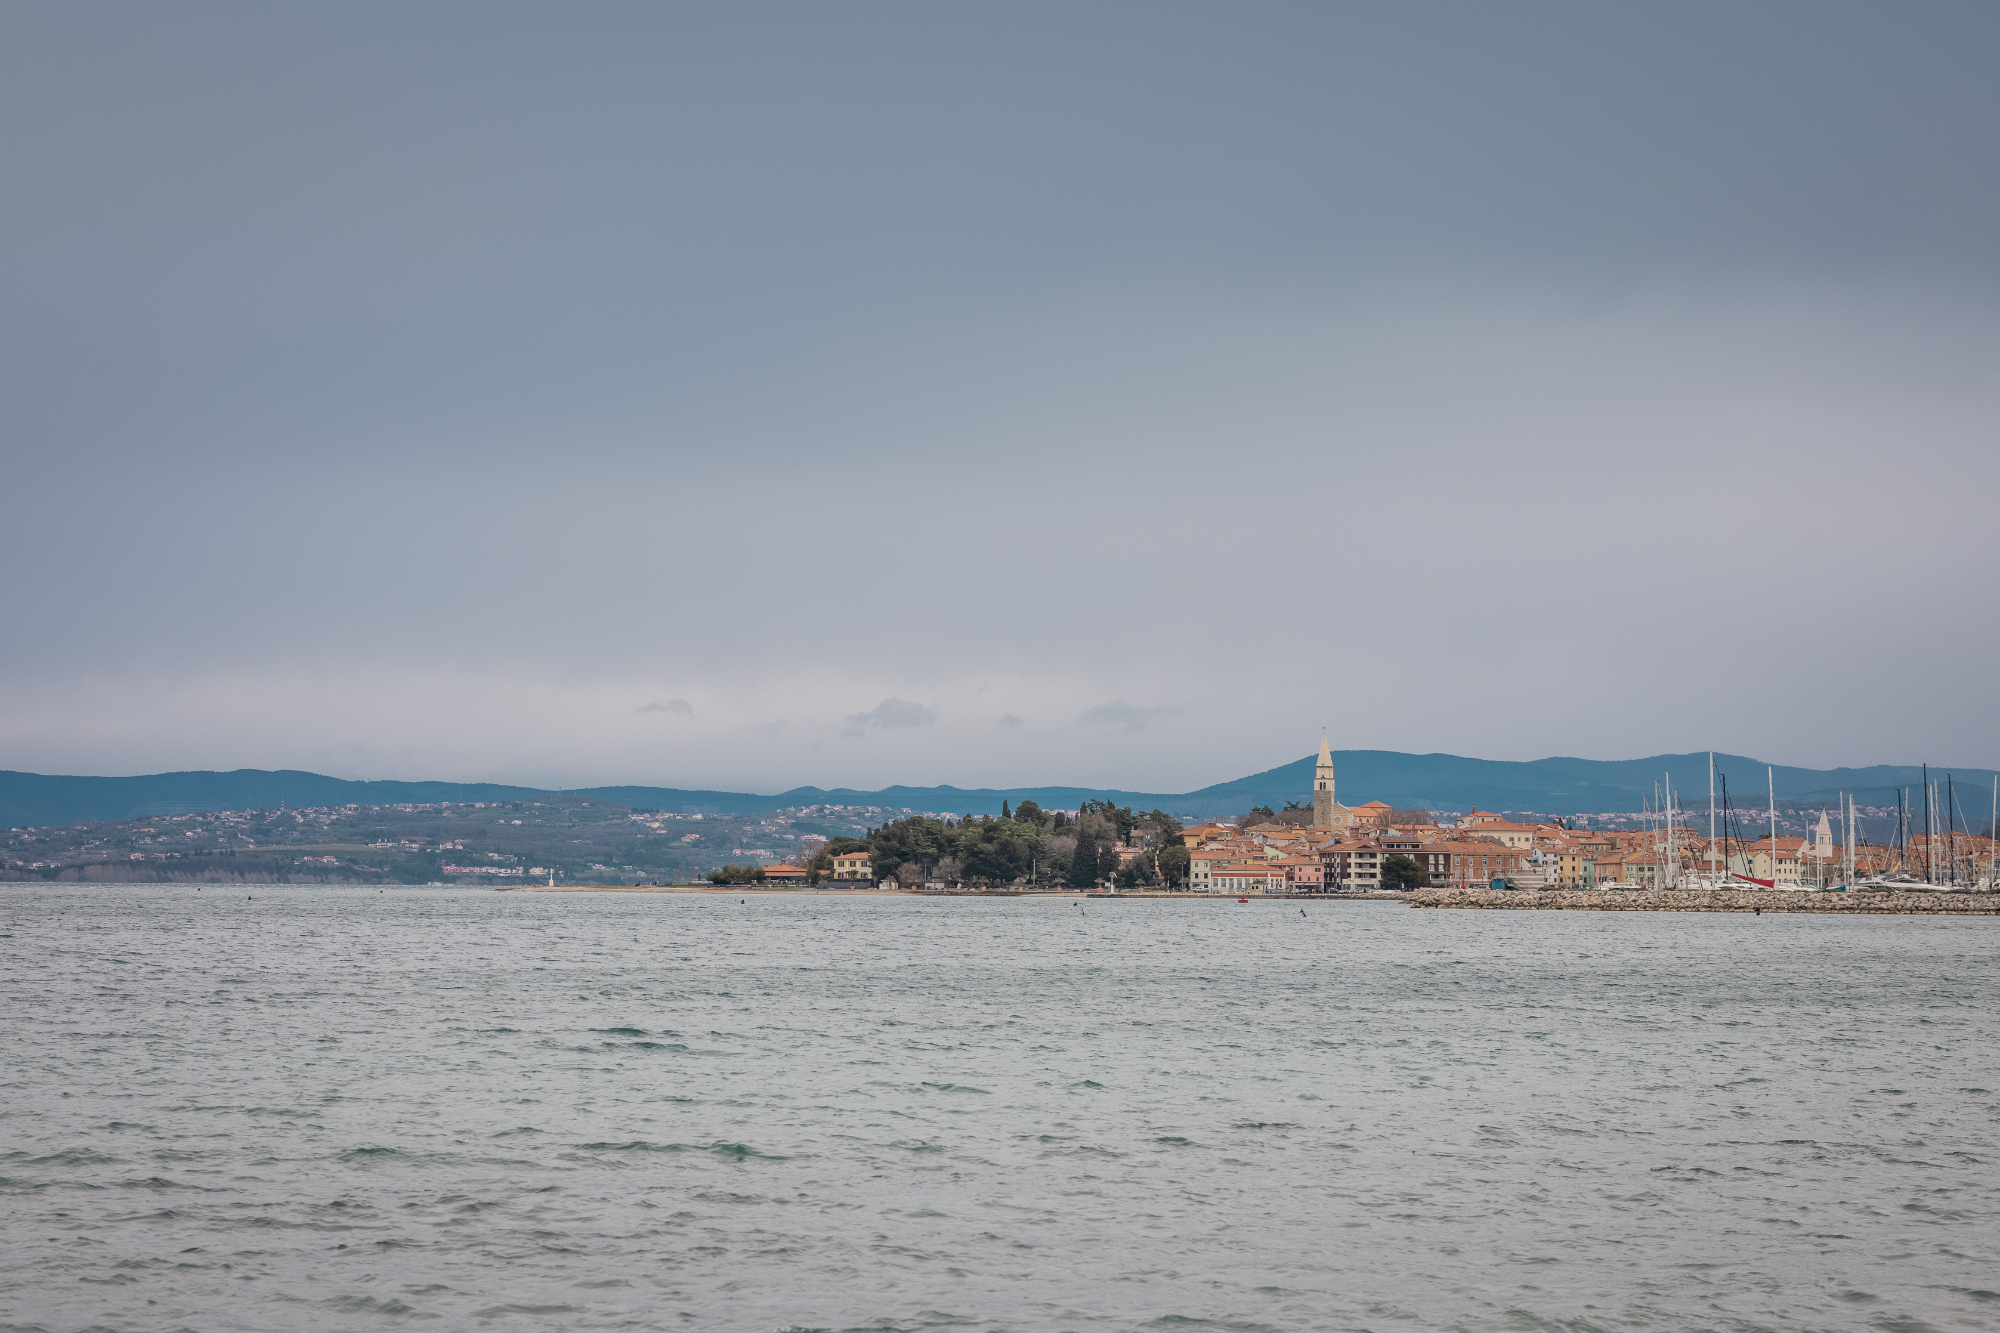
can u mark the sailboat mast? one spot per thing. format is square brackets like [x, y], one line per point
[1711, 816]
[1656, 816]
[1903, 829]
[1853, 831]
[1929, 797]
[1673, 854]
[1950, 829]
[1771, 782]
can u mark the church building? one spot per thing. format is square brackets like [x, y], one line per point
[1328, 813]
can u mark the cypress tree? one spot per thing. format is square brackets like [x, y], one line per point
[1083, 866]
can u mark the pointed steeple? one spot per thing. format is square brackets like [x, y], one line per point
[1326, 812]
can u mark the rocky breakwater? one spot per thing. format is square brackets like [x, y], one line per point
[1673, 900]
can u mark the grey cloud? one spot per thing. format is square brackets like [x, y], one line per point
[1010, 720]
[680, 706]
[1124, 716]
[889, 714]
[1060, 346]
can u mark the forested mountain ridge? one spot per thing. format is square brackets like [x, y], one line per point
[1555, 786]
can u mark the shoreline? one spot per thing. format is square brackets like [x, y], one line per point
[744, 890]
[739, 890]
[1710, 900]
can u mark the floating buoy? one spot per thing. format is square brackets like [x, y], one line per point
[1242, 900]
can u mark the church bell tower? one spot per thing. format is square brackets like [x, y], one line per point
[1324, 808]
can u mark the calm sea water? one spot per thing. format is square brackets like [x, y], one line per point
[308, 1109]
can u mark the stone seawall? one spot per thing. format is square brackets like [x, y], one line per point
[1629, 900]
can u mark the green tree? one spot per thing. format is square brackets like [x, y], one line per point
[1119, 818]
[1030, 813]
[917, 841]
[1172, 863]
[737, 875]
[1402, 872]
[997, 851]
[1083, 868]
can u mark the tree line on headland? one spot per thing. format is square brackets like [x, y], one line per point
[1023, 843]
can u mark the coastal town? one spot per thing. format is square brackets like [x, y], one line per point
[1328, 848]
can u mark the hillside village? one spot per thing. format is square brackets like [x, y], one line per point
[464, 842]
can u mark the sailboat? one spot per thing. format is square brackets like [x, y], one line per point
[1771, 785]
[1711, 881]
[1771, 883]
[1898, 880]
[1989, 884]
[1847, 825]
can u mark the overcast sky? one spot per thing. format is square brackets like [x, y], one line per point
[746, 396]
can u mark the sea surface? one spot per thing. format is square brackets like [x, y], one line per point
[320, 1109]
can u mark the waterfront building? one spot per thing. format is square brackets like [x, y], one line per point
[1303, 873]
[1204, 861]
[1247, 877]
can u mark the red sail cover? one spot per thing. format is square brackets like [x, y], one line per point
[1752, 879]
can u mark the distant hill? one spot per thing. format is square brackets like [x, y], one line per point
[1573, 786]
[1434, 781]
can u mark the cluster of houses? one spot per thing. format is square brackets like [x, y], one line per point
[1344, 850]
[1279, 858]
[1485, 846]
